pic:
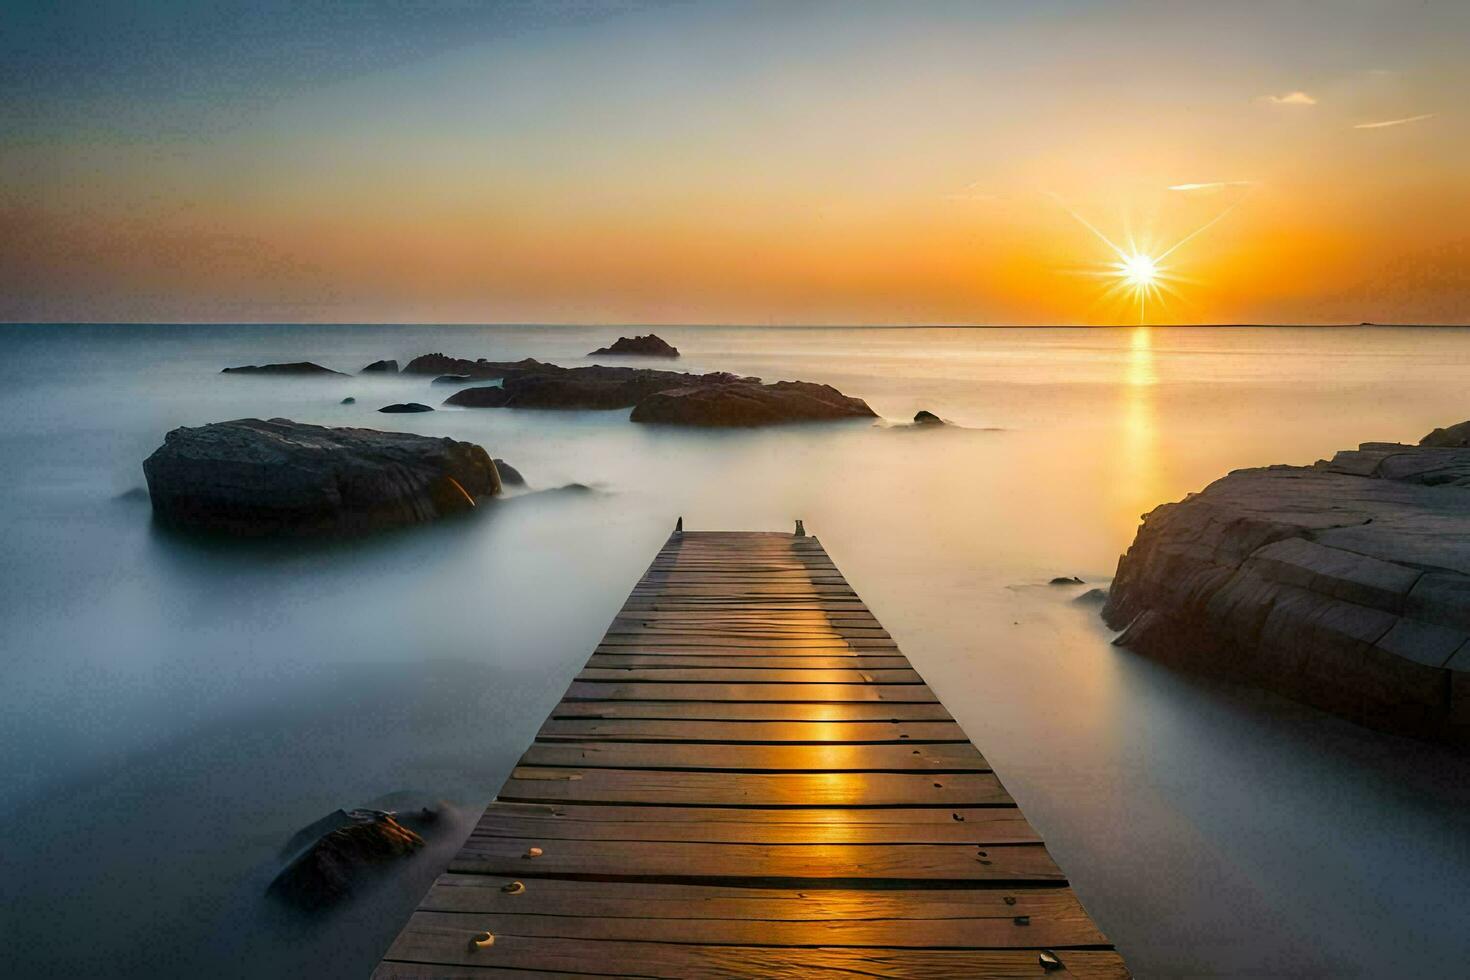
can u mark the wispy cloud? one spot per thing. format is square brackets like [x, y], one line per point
[1396, 122]
[974, 192]
[1290, 98]
[1212, 185]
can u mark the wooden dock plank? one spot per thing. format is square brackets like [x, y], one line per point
[748, 779]
[942, 757]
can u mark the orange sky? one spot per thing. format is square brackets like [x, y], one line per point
[819, 163]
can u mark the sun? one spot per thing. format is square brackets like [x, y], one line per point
[1140, 271]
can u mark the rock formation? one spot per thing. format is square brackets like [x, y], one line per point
[349, 843]
[1345, 584]
[650, 346]
[381, 367]
[748, 403]
[403, 408]
[927, 418]
[250, 477]
[509, 475]
[295, 367]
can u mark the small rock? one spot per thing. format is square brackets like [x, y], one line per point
[1093, 597]
[328, 869]
[349, 400]
[400, 408]
[927, 418]
[509, 475]
[1066, 580]
[381, 367]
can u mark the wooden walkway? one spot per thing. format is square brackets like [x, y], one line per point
[748, 779]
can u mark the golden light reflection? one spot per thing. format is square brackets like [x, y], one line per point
[1140, 486]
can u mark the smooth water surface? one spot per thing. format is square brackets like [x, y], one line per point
[174, 709]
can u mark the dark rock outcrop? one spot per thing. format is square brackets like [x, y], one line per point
[581, 388]
[1065, 580]
[509, 475]
[651, 345]
[1092, 597]
[746, 403]
[480, 369]
[295, 367]
[252, 477]
[1455, 437]
[404, 408]
[342, 846]
[349, 400]
[1345, 584]
[381, 367]
[927, 418]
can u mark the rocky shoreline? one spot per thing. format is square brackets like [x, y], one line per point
[1345, 584]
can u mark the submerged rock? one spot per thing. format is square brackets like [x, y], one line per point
[381, 367]
[253, 477]
[349, 400]
[338, 849]
[1065, 580]
[295, 367]
[746, 403]
[509, 475]
[927, 418]
[480, 369]
[1092, 596]
[1345, 584]
[651, 345]
[401, 408]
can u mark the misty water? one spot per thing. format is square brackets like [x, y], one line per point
[173, 710]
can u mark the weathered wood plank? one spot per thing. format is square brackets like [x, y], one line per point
[428, 939]
[828, 711]
[999, 825]
[751, 732]
[682, 903]
[749, 675]
[943, 757]
[557, 785]
[888, 693]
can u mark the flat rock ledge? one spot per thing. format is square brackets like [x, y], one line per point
[742, 403]
[1345, 585]
[251, 477]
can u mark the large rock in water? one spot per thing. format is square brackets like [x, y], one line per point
[745, 403]
[1345, 585]
[651, 345]
[250, 477]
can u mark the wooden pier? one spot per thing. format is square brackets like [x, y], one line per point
[748, 779]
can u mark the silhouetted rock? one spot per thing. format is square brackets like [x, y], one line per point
[650, 346]
[349, 400]
[927, 418]
[598, 387]
[343, 845]
[1455, 436]
[250, 477]
[1065, 580]
[746, 403]
[509, 475]
[295, 367]
[481, 369]
[1345, 584]
[381, 367]
[404, 408]
[1093, 596]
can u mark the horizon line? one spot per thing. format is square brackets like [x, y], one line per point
[717, 326]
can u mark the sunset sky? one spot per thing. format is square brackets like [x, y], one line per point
[841, 162]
